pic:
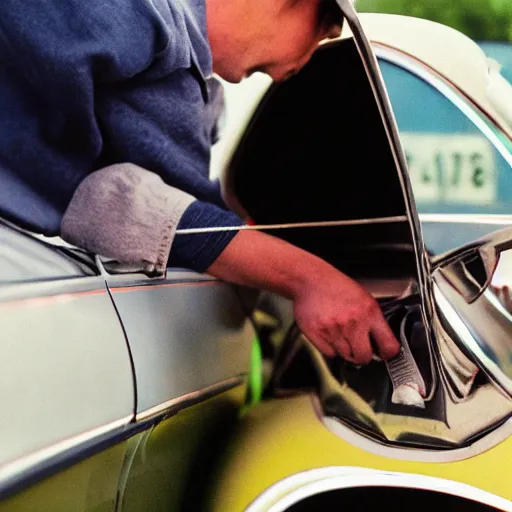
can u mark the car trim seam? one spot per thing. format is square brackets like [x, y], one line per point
[188, 399]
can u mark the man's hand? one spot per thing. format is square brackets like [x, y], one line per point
[334, 312]
[339, 317]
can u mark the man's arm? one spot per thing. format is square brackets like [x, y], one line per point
[334, 312]
[128, 213]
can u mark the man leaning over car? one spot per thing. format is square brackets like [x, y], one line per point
[90, 86]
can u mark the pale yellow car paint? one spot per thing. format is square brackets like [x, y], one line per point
[89, 486]
[285, 436]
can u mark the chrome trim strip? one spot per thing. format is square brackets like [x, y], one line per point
[492, 369]
[484, 444]
[472, 111]
[467, 218]
[185, 400]
[31, 468]
[300, 486]
[321, 224]
[18, 467]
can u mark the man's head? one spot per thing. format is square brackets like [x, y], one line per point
[276, 37]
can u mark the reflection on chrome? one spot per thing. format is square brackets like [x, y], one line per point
[462, 379]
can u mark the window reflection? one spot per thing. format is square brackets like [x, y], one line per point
[454, 168]
[501, 284]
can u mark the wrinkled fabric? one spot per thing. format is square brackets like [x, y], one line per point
[142, 214]
[85, 85]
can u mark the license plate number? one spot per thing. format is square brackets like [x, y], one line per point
[454, 168]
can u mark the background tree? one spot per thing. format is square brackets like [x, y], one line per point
[482, 20]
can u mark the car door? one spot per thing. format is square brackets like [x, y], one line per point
[67, 384]
[190, 339]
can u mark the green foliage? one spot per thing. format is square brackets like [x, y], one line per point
[482, 20]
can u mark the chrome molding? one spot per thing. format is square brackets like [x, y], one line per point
[493, 370]
[371, 66]
[466, 218]
[188, 399]
[34, 466]
[368, 444]
[473, 112]
[295, 488]
[16, 469]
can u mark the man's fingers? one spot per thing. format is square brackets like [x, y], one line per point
[384, 339]
[323, 346]
[343, 348]
[362, 352]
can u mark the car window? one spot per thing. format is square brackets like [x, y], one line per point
[25, 259]
[454, 167]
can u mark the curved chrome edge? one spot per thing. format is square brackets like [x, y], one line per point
[300, 486]
[473, 112]
[467, 218]
[484, 444]
[189, 399]
[494, 372]
[377, 83]
[11, 471]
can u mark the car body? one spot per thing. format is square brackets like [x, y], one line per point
[113, 381]
[122, 392]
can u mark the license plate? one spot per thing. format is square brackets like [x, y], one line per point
[451, 168]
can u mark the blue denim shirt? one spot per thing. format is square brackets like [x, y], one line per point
[85, 84]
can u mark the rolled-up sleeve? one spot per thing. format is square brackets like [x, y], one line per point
[126, 213]
[198, 251]
[129, 214]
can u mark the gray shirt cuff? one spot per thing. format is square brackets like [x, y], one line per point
[126, 213]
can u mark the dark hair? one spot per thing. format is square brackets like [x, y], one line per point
[330, 14]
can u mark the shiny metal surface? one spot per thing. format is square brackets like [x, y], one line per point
[88, 486]
[285, 437]
[19, 468]
[66, 368]
[185, 335]
[467, 367]
[454, 416]
[417, 455]
[376, 80]
[482, 317]
[502, 221]
[189, 399]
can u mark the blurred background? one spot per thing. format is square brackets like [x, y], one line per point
[489, 22]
